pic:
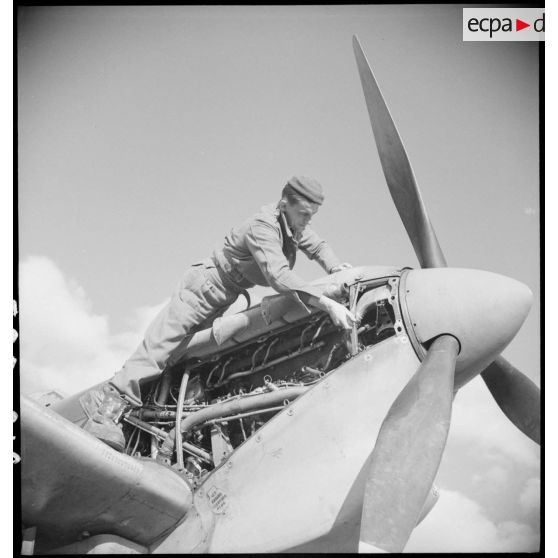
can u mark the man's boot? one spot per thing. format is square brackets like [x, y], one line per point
[104, 406]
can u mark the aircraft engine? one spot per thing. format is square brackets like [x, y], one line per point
[225, 393]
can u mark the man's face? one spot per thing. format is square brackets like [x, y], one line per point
[299, 214]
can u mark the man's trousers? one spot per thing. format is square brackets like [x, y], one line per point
[204, 293]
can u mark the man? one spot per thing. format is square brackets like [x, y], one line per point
[261, 251]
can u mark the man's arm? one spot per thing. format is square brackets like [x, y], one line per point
[264, 243]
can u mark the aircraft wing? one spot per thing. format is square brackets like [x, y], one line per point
[74, 486]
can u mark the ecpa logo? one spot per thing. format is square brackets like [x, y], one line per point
[503, 24]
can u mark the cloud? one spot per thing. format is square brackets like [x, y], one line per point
[530, 497]
[478, 422]
[493, 479]
[458, 524]
[490, 460]
[137, 324]
[64, 345]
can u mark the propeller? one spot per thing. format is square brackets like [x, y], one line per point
[517, 396]
[407, 454]
[408, 451]
[397, 169]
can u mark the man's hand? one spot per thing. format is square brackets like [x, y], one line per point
[340, 316]
[340, 267]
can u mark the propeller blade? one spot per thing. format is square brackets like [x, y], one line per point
[397, 169]
[408, 451]
[517, 396]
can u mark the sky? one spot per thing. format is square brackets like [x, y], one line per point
[145, 133]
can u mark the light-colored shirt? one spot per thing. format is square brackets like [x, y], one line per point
[262, 251]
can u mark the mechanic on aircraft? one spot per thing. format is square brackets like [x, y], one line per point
[261, 251]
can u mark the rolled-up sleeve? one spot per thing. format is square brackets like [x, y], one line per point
[318, 249]
[264, 243]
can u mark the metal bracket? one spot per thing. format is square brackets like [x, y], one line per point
[354, 289]
[398, 324]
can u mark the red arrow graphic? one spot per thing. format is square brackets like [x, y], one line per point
[519, 25]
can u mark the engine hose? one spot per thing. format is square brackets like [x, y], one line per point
[161, 434]
[278, 360]
[179, 406]
[368, 299]
[226, 408]
[285, 346]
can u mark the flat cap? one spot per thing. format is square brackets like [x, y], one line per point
[308, 187]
